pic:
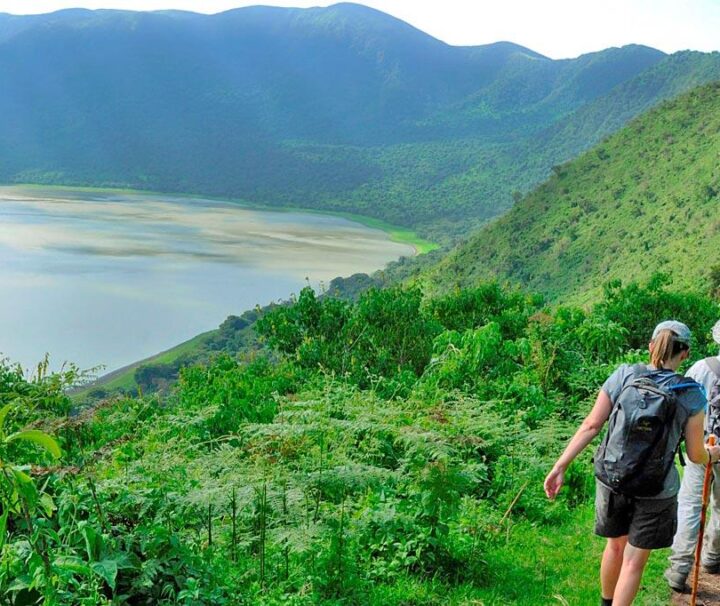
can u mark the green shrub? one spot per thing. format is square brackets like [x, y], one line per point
[239, 392]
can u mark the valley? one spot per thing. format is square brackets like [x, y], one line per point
[386, 276]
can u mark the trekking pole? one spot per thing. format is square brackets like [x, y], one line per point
[705, 499]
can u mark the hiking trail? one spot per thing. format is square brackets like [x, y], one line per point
[708, 592]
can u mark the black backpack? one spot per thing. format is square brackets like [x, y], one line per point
[636, 454]
[712, 423]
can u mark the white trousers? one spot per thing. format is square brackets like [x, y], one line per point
[689, 510]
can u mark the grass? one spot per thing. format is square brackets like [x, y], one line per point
[570, 556]
[534, 566]
[123, 379]
[83, 188]
[401, 235]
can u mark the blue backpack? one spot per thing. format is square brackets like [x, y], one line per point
[636, 455]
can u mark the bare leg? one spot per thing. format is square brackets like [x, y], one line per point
[611, 564]
[633, 564]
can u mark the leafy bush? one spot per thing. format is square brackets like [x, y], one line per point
[387, 443]
[239, 392]
[381, 338]
[489, 302]
[639, 308]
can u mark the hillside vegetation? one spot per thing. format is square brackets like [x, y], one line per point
[389, 451]
[645, 200]
[387, 447]
[341, 108]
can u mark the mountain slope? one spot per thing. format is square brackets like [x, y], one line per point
[645, 200]
[342, 108]
[670, 77]
[482, 178]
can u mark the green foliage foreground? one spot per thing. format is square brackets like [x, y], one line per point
[390, 451]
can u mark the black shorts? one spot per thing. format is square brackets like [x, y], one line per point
[648, 523]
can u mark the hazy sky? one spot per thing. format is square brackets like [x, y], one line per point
[557, 28]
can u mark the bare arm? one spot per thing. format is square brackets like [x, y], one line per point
[694, 434]
[697, 451]
[585, 434]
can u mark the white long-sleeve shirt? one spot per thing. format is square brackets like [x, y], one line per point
[700, 372]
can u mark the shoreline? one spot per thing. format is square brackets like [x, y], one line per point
[397, 234]
[123, 377]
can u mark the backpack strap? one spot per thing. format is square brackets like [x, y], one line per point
[682, 383]
[686, 385]
[714, 365]
[683, 462]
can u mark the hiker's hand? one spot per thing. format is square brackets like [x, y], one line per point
[713, 453]
[554, 482]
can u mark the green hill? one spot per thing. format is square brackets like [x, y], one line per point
[342, 108]
[645, 200]
[671, 77]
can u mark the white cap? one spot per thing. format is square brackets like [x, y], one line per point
[716, 332]
[682, 332]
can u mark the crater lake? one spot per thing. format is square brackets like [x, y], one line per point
[108, 278]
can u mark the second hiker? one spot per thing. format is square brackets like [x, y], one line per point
[707, 373]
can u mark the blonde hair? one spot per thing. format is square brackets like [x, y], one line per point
[664, 347]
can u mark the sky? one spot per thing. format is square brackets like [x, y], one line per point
[555, 28]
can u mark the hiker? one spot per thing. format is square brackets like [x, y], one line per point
[649, 408]
[707, 373]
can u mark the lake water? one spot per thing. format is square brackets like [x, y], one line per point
[112, 278]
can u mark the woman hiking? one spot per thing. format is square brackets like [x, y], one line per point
[649, 409]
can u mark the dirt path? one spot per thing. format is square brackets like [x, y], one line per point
[708, 592]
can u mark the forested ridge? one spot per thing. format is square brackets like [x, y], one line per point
[341, 108]
[644, 200]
